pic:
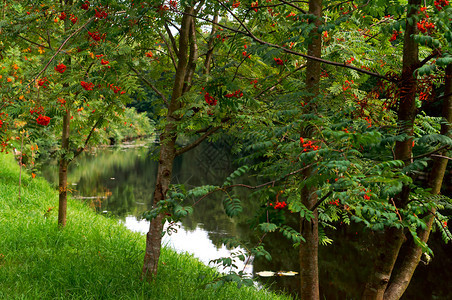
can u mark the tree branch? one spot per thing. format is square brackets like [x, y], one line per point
[31, 42]
[173, 41]
[248, 33]
[442, 156]
[434, 54]
[198, 141]
[321, 200]
[59, 50]
[193, 57]
[81, 149]
[170, 50]
[280, 80]
[254, 187]
[428, 153]
[210, 47]
[150, 85]
[293, 5]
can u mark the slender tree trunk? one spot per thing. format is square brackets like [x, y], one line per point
[168, 147]
[62, 171]
[64, 162]
[411, 260]
[210, 46]
[393, 238]
[308, 254]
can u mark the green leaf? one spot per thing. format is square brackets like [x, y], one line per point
[268, 227]
[232, 206]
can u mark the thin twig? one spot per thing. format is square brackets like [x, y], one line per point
[59, 50]
[396, 210]
[431, 153]
[150, 85]
[198, 141]
[248, 33]
[81, 149]
[294, 6]
[280, 80]
[31, 42]
[442, 156]
[251, 187]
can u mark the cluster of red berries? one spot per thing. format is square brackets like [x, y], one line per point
[335, 202]
[324, 74]
[394, 35]
[43, 120]
[43, 82]
[87, 85]
[100, 14]
[210, 99]
[38, 110]
[350, 61]
[278, 61]
[60, 68]
[85, 5]
[425, 26]
[278, 205]
[116, 89]
[96, 36]
[236, 94]
[308, 145]
[173, 4]
[366, 196]
[62, 16]
[222, 38]
[73, 19]
[439, 4]
[347, 85]
[254, 4]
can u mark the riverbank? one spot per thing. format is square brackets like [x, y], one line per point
[94, 257]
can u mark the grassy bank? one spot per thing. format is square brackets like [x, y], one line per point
[92, 258]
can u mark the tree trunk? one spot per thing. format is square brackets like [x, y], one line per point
[64, 162]
[411, 260]
[62, 171]
[168, 147]
[389, 246]
[308, 254]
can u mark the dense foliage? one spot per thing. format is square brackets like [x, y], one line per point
[358, 143]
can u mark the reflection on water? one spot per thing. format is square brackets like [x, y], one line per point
[195, 241]
[121, 181]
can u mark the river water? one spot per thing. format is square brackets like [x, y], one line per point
[120, 181]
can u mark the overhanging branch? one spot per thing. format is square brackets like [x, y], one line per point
[248, 33]
[198, 141]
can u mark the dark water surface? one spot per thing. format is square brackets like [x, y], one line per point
[120, 181]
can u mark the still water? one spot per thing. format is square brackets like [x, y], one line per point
[120, 181]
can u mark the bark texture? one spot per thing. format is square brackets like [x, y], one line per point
[393, 238]
[308, 254]
[168, 138]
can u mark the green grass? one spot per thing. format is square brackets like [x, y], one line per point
[93, 257]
